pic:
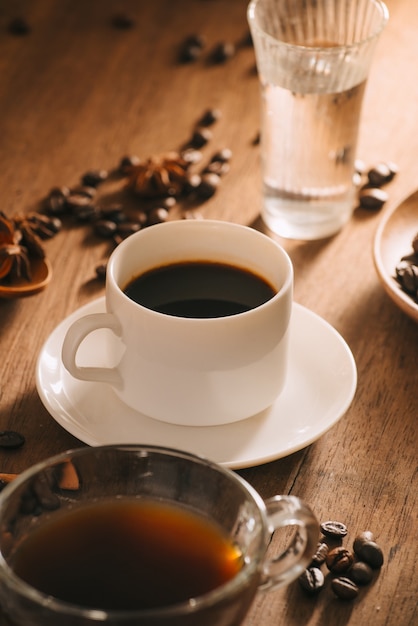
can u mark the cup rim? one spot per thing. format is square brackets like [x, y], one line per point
[188, 607]
[207, 223]
[325, 51]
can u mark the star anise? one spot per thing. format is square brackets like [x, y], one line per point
[164, 175]
[14, 260]
[34, 227]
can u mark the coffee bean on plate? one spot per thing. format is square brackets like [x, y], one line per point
[372, 198]
[381, 174]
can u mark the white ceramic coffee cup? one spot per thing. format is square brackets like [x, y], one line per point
[189, 371]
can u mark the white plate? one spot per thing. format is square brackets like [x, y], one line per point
[320, 386]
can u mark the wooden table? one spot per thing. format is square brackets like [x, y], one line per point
[78, 93]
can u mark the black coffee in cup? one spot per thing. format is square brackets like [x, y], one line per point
[199, 289]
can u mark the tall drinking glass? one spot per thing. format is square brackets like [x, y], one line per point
[313, 59]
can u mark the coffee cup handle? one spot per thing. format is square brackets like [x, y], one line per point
[74, 336]
[282, 512]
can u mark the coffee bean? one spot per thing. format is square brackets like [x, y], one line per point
[105, 228]
[345, 588]
[201, 137]
[157, 216]
[191, 48]
[407, 276]
[371, 553]
[217, 167]
[372, 198]
[379, 175]
[190, 53]
[113, 212]
[208, 186]
[101, 271]
[122, 21]
[223, 156]
[11, 439]
[382, 173]
[93, 178]
[127, 163]
[320, 554]
[56, 201]
[128, 228]
[210, 117]
[191, 156]
[19, 26]
[366, 535]
[361, 573]
[339, 560]
[334, 530]
[312, 580]
[222, 52]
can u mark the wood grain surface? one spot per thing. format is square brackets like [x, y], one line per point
[76, 94]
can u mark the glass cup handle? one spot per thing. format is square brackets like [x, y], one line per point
[75, 334]
[284, 511]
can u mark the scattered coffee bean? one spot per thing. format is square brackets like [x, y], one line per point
[217, 167]
[56, 201]
[122, 21]
[19, 26]
[366, 535]
[101, 271]
[208, 185]
[201, 137]
[128, 162]
[93, 178]
[372, 198]
[191, 156]
[191, 48]
[312, 580]
[11, 439]
[105, 228]
[339, 560]
[345, 588]
[361, 573]
[210, 117]
[222, 52]
[334, 530]
[223, 155]
[128, 228]
[157, 216]
[370, 553]
[320, 554]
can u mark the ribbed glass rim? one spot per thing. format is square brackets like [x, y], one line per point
[252, 19]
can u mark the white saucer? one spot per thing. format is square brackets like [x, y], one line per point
[321, 383]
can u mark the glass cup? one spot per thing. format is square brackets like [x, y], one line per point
[92, 477]
[313, 60]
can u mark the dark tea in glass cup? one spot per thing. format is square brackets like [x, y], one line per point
[141, 535]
